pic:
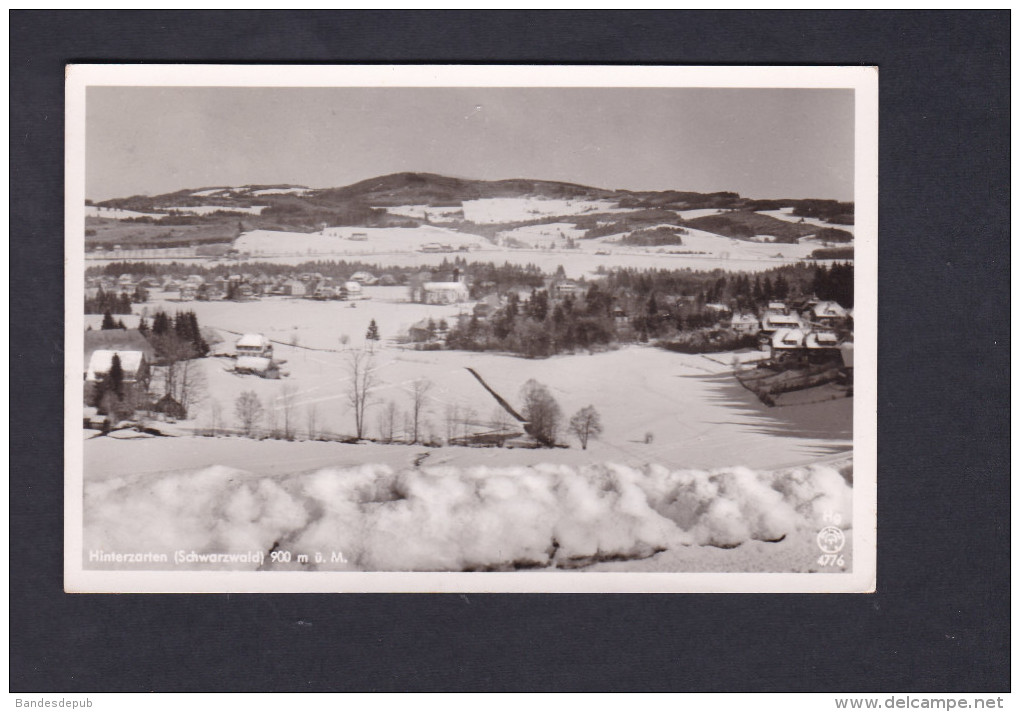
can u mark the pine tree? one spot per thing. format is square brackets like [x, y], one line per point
[160, 323]
[116, 376]
[373, 331]
[108, 322]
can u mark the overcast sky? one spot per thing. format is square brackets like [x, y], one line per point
[761, 143]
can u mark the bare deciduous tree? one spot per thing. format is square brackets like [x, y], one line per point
[467, 419]
[312, 420]
[388, 422]
[288, 398]
[541, 411]
[419, 405]
[362, 381]
[586, 424]
[408, 427]
[273, 421]
[215, 416]
[191, 384]
[452, 418]
[249, 411]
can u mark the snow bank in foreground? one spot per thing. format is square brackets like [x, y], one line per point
[454, 519]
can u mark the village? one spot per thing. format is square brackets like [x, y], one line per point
[777, 348]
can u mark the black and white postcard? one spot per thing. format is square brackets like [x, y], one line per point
[471, 328]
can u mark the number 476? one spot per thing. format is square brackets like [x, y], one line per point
[830, 560]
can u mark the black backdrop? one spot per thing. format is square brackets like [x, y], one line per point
[940, 618]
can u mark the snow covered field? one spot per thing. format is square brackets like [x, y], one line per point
[281, 191]
[429, 212]
[543, 236]
[309, 323]
[506, 210]
[342, 241]
[697, 413]
[712, 246]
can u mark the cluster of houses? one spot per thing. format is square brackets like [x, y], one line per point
[813, 330]
[126, 283]
[309, 285]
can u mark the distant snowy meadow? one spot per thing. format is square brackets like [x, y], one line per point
[458, 519]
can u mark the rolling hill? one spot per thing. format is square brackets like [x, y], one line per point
[401, 200]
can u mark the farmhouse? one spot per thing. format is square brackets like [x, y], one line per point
[353, 290]
[566, 288]
[169, 407]
[256, 365]
[441, 292]
[427, 330]
[254, 345]
[324, 291]
[744, 323]
[788, 341]
[827, 314]
[366, 278]
[774, 322]
[821, 341]
[291, 288]
[133, 363]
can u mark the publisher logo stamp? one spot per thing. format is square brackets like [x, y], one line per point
[831, 540]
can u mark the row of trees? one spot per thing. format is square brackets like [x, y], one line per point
[108, 302]
[835, 283]
[539, 408]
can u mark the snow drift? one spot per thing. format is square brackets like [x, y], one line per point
[460, 519]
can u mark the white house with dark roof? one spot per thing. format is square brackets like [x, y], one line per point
[254, 345]
[745, 323]
[256, 365]
[787, 340]
[133, 363]
[827, 313]
[442, 292]
[771, 323]
[821, 341]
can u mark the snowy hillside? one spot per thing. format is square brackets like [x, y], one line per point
[351, 241]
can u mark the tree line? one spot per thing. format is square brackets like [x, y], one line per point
[277, 418]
